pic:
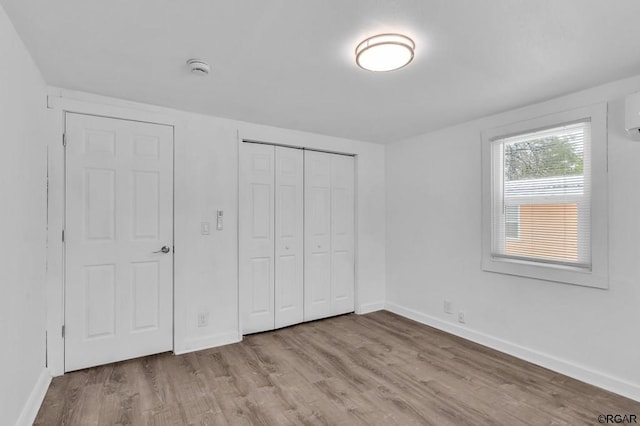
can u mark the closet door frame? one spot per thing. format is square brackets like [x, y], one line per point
[243, 139]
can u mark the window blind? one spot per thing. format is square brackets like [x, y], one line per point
[541, 196]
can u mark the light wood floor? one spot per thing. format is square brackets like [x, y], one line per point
[375, 369]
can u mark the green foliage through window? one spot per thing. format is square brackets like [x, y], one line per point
[544, 157]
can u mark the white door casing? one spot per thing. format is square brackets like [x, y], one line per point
[289, 241]
[119, 211]
[256, 204]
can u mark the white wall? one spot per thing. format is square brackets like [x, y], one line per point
[206, 180]
[434, 253]
[22, 228]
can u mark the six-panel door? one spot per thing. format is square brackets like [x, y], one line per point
[119, 214]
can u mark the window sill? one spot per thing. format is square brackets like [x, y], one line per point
[546, 272]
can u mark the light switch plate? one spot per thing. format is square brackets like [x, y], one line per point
[219, 224]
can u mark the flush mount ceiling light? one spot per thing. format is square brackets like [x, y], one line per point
[385, 52]
[198, 67]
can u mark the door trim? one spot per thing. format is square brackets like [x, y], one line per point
[58, 105]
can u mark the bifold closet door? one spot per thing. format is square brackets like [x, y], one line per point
[257, 237]
[329, 235]
[289, 239]
[271, 236]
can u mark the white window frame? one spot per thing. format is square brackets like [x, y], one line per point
[598, 275]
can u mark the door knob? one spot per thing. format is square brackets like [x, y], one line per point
[164, 249]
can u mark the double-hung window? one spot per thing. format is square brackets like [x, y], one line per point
[542, 196]
[539, 201]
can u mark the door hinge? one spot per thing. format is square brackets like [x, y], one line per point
[64, 140]
[63, 235]
[63, 331]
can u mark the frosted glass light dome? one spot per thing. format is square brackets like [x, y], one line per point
[385, 52]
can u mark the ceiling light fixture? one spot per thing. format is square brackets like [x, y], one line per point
[198, 67]
[385, 52]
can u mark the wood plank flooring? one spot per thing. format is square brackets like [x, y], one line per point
[375, 369]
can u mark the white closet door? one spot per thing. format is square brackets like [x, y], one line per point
[317, 253]
[257, 237]
[342, 234]
[119, 240]
[289, 241]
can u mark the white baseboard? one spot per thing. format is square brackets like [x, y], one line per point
[207, 342]
[568, 368]
[370, 307]
[32, 406]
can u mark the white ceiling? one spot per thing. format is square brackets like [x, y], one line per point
[289, 63]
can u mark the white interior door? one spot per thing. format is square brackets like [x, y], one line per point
[342, 234]
[257, 220]
[289, 241]
[119, 214]
[317, 251]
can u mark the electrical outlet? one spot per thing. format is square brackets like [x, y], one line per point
[447, 307]
[203, 318]
[461, 317]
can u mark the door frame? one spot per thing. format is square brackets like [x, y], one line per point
[293, 144]
[58, 105]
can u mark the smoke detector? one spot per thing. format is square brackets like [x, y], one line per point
[198, 67]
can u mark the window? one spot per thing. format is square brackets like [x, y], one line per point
[541, 196]
[538, 198]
